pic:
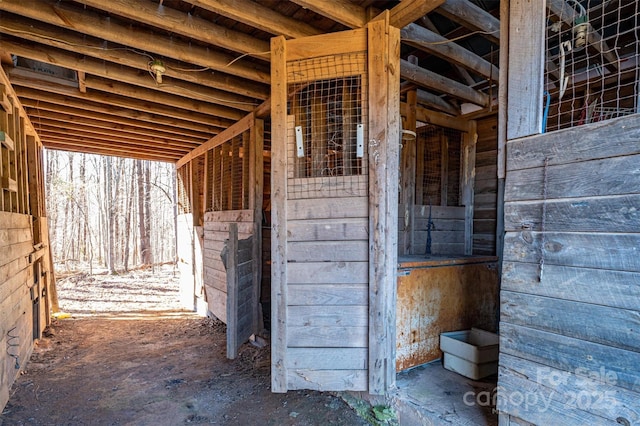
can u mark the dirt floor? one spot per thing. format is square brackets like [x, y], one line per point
[129, 356]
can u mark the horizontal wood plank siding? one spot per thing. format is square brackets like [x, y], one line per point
[216, 232]
[485, 187]
[16, 277]
[570, 298]
[327, 292]
[447, 232]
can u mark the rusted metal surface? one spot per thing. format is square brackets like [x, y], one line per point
[435, 296]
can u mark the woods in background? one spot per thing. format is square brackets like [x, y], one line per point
[109, 212]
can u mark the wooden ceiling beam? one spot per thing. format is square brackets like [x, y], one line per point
[52, 55]
[185, 24]
[50, 118]
[123, 89]
[86, 108]
[39, 108]
[430, 80]
[428, 41]
[407, 11]
[257, 16]
[342, 11]
[64, 15]
[90, 147]
[355, 16]
[33, 80]
[61, 38]
[142, 143]
[470, 16]
[435, 102]
[461, 70]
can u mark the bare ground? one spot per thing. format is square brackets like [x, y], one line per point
[129, 356]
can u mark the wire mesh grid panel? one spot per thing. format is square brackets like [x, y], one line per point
[228, 175]
[592, 62]
[184, 190]
[439, 166]
[327, 106]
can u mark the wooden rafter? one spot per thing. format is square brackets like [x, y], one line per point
[102, 124]
[472, 17]
[33, 80]
[355, 16]
[81, 107]
[435, 102]
[64, 15]
[40, 108]
[123, 89]
[110, 46]
[107, 148]
[51, 35]
[409, 10]
[461, 70]
[181, 23]
[423, 39]
[130, 76]
[258, 16]
[88, 133]
[342, 11]
[432, 80]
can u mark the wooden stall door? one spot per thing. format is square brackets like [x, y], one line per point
[334, 179]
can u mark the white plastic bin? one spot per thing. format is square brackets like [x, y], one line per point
[472, 353]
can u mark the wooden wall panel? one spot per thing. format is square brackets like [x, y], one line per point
[216, 232]
[570, 283]
[486, 187]
[16, 318]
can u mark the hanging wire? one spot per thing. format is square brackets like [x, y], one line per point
[12, 344]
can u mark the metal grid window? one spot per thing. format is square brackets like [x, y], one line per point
[592, 66]
[328, 107]
[439, 166]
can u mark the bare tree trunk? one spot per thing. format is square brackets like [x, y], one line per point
[127, 226]
[110, 215]
[143, 211]
[147, 208]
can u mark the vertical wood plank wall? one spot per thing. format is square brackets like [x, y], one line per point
[570, 299]
[26, 273]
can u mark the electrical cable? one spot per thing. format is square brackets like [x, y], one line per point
[451, 40]
[11, 344]
[545, 115]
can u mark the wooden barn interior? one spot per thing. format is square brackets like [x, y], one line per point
[355, 176]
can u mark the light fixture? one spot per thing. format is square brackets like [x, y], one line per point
[158, 68]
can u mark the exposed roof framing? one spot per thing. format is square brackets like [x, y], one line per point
[215, 56]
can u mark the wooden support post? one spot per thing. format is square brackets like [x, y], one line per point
[503, 87]
[232, 291]
[256, 183]
[34, 181]
[206, 181]
[527, 22]
[468, 179]
[408, 172]
[444, 168]
[23, 170]
[384, 137]
[279, 215]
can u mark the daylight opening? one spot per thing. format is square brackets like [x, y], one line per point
[112, 229]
